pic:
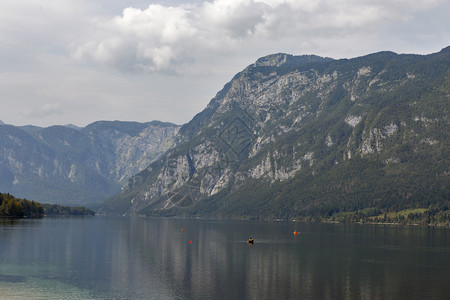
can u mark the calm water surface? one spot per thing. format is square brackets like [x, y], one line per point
[138, 258]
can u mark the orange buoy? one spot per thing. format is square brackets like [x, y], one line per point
[181, 229]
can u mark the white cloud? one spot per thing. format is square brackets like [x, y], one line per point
[149, 39]
[161, 38]
[235, 19]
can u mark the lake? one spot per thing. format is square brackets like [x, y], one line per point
[157, 258]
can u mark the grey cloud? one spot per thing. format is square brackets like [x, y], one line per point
[47, 109]
[101, 60]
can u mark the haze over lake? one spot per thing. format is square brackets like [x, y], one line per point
[147, 258]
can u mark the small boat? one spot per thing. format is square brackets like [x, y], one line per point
[250, 241]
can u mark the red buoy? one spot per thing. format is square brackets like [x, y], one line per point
[296, 232]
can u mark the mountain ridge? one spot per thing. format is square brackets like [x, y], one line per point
[66, 165]
[278, 127]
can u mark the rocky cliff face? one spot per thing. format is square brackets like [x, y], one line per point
[289, 135]
[74, 166]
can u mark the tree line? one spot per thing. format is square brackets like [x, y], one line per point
[11, 206]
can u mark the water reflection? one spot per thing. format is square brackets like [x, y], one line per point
[136, 258]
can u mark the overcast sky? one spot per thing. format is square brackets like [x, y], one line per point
[79, 61]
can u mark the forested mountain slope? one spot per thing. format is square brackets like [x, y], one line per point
[304, 136]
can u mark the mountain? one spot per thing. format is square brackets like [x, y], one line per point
[78, 166]
[72, 126]
[308, 137]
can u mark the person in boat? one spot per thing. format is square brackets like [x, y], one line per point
[250, 241]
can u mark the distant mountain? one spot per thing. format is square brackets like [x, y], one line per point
[305, 137]
[78, 166]
[1, 122]
[72, 126]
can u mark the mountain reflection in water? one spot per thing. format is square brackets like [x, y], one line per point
[144, 258]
